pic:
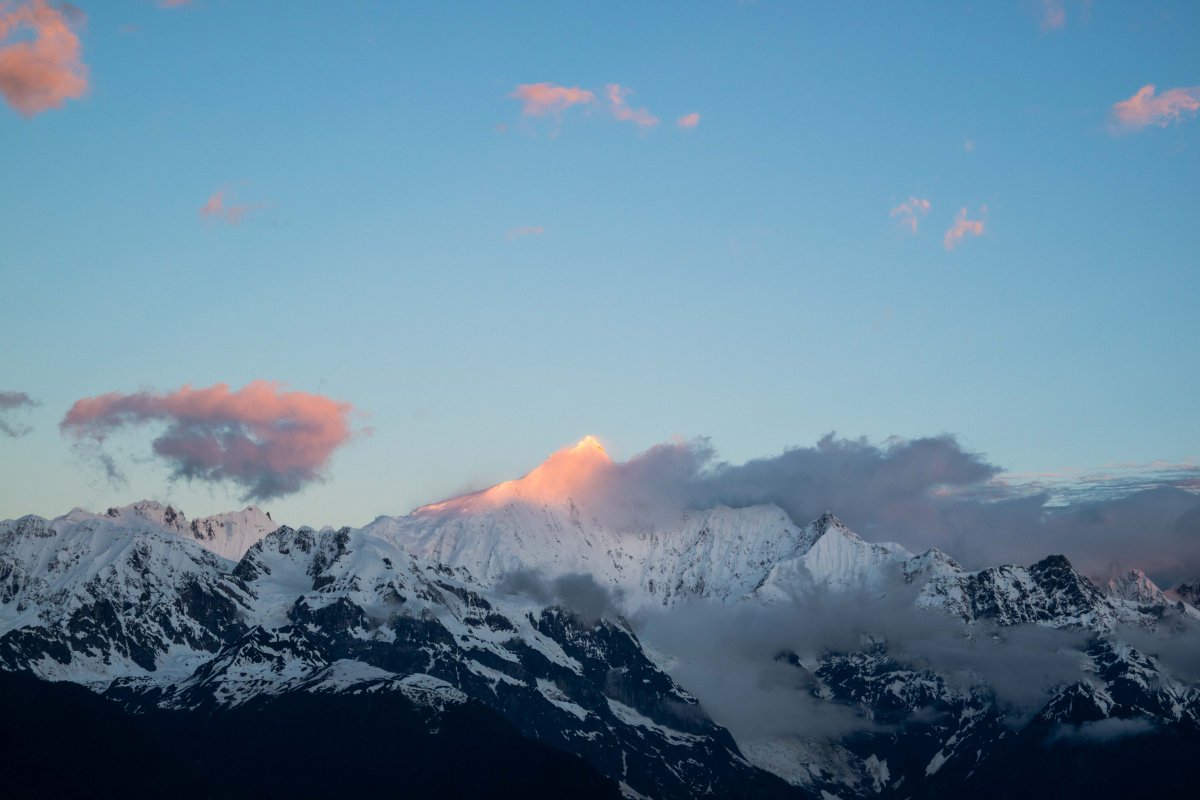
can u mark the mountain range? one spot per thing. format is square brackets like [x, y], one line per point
[517, 642]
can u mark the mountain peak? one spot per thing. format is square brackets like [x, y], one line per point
[232, 533]
[1134, 586]
[1055, 564]
[152, 511]
[1188, 592]
[565, 475]
[589, 444]
[828, 520]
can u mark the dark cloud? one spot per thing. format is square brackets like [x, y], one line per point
[268, 441]
[928, 492]
[576, 592]
[11, 402]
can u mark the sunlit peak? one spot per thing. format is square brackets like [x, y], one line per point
[568, 473]
[587, 443]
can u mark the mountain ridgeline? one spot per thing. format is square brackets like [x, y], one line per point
[731, 653]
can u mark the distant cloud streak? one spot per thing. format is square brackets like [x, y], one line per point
[1053, 14]
[11, 402]
[216, 207]
[43, 72]
[524, 231]
[621, 110]
[910, 211]
[549, 99]
[1146, 108]
[269, 442]
[962, 228]
[540, 99]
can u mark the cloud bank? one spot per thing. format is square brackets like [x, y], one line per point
[10, 403]
[43, 72]
[735, 659]
[269, 442]
[926, 492]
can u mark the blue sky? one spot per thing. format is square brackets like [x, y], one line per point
[741, 279]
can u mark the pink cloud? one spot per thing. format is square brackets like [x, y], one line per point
[910, 211]
[962, 228]
[523, 231]
[540, 99]
[621, 110]
[1146, 108]
[688, 120]
[268, 441]
[1053, 14]
[41, 73]
[173, 3]
[215, 208]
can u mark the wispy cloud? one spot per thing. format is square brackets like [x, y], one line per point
[1073, 485]
[10, 403]
[261, 438]
[523, 231]
[545, 99]
[1052, 14]
[540, 99]
[910, 212]
[1146, 108]
[218, 207]
[41, 73]
[173, 3]
[962, 228]
[621, 109]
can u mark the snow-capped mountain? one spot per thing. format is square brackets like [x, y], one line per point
[229, 534]
[519, 606]
[153, 620]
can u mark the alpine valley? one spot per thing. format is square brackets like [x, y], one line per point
[517, 642]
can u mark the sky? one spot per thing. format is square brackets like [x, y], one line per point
[342, 259]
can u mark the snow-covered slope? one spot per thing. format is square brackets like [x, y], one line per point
[721, 552]
[229, 534]
[91, 599]
[232, 533]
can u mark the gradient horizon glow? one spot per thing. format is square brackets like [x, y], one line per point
[488, 230]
